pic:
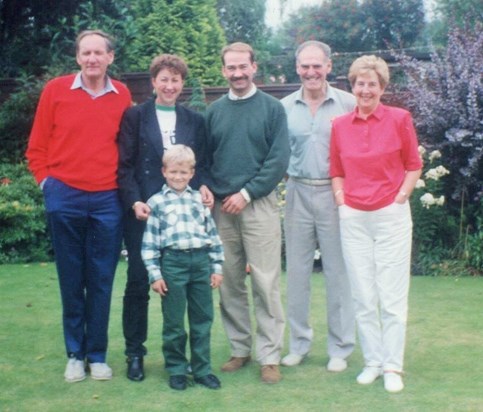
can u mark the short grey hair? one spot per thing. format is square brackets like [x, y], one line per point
[320, 45]
[107, 38]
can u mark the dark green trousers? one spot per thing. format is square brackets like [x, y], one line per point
[187, 275]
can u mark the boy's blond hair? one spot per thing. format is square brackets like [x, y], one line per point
[179, 153]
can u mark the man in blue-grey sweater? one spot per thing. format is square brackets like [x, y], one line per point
[249, 148]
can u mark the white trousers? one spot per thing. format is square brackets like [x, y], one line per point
[377, 251]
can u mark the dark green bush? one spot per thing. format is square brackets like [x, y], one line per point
[23, 230]
[16, 117]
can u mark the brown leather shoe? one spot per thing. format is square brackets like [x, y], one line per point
[235, 363]
[271, 374]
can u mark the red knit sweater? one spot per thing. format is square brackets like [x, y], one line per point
[74, 137]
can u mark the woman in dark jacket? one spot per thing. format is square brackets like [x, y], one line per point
[147, 130]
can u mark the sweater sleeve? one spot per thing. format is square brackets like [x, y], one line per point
[37, 150]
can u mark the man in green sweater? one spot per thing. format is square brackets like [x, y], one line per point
[247, 139]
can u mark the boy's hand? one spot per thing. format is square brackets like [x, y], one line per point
[141, 210]
[207, 197]
[159, 286]
[216, 280]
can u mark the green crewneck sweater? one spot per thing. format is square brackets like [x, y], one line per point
[248, 144]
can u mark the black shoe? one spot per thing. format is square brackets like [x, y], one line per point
[135, 368]
[177, 382]
[210, 381]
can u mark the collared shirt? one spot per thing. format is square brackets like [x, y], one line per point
[79, 84]
[309, 135]
[373, 155]
[233, 96]
[179, 221]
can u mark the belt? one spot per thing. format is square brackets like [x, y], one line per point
[189, 250]
[312, 182]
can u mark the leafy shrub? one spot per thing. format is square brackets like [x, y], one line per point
[16, 117]
[446, 98]
[23, 230]
[435, 231]
[473, 244]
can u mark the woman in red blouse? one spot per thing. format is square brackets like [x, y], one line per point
[374, 164]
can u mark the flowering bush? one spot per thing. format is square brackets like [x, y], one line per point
[434, 230]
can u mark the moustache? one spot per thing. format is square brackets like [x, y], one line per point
[234, 78]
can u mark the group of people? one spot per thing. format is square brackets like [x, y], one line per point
[194, 198]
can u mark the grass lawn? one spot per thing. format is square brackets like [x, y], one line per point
[444, 357]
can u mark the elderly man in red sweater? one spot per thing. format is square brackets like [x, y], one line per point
[73, 155]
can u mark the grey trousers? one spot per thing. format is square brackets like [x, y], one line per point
[253, 237]
[311, 218]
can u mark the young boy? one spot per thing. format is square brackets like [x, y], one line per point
[183, 255]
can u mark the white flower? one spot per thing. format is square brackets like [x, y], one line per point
[427, 200]
[435, 154]
[439, 201]
[431, 174]
[421, 150]
[420, 183]
[436, 173]
[441, 170]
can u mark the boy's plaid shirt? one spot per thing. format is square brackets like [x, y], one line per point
[179, 221]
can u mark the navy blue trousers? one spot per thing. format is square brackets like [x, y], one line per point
[86, 233]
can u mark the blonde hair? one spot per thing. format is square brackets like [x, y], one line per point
[366, 63]
[179, 153]
[238, 47]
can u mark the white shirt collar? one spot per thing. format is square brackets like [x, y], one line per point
[233, 96]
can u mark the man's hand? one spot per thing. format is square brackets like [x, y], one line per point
[141, 210]
[233, 204]
[159, 286]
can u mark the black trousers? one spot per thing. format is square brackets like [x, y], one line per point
[136, 294]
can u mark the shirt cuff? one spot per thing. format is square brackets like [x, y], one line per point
[217, 268]
[246, 195]
[42, 183]
[154, 275]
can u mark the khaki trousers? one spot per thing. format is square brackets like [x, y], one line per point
[253, 237]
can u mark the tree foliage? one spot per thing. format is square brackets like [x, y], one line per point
[243, 21]
[392, 23]
[188, 28]
[36, 36]
[449, 13]
[353, 26]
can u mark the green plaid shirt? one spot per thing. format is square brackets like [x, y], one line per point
[179, 221]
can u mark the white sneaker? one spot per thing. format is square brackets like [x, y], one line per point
[337, 365]
[74, 371]
[393, 382]
[100, 371]
[292, 359]
[368, 375]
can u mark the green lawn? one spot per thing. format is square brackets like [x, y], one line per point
[444, 357]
